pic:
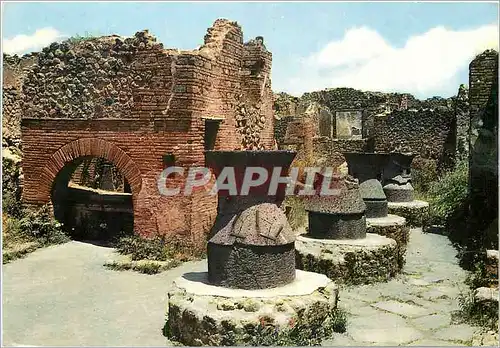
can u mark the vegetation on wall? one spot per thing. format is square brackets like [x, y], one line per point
[24, 229]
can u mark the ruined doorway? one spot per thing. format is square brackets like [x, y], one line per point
[93, 200]
[210, 137]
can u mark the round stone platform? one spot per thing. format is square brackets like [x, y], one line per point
[394, 227]
[200, 313]
[415, 212]
[356, 261]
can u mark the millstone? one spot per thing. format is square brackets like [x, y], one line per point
[399, 189]
[374, 197]
[252, 245]
[339, 216]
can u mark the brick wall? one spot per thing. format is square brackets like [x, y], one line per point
[139, 102]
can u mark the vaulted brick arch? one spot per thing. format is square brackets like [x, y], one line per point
[90, 147]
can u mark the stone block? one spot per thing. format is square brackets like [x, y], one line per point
[415, 212]
[203, 314]
[394, 227]
[404, 309]
[357, 261]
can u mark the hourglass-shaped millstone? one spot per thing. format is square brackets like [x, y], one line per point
[252, 244]
[374, 197]
[398, 164]
[339, 215]
[399, 189]
[366, 166]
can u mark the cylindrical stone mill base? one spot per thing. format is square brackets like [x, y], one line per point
[200, 313]
[394, 227]
[251, 267]
[376, 208]
[356, 261]
[415, 212]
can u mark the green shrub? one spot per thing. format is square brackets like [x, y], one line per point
[40, 225]
[482, 314]
[143, 248]
[424, 172]
[11, 204]
[85, 37]
[448, 195]
[157, 249]
[11, 188]
[149, 267]
[478, 277]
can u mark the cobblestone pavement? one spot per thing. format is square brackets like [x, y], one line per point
[414, 308]
[62, 295]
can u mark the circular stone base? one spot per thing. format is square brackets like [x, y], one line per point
[357, 261]
[415, 212]
[394, 227]
[203, 314]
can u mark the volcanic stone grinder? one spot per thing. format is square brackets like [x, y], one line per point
[372, 169]
[374, 197]
[368, 168]
[252, 245]
[399, 189]
[337, 244]
[400, 193]
[251, 288]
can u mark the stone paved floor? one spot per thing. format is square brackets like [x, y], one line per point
[62, 295]
[414, 308]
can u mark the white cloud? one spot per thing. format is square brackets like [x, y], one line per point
[27, 43]
[428, 64]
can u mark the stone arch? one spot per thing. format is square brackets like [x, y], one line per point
[90, 147]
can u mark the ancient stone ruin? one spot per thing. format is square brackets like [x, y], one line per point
[340, 218]
[386, 185]
[400, 193]
[252, 245]
[374, 169]
[337, 244]
[251, 269]
[374, 197]
[143, 108]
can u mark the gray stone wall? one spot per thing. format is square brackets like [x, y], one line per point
[428, 133]
[388, 122]
[14, 71]
[461, 104]
[483, 144]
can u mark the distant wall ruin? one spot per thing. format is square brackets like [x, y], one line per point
[347, 120]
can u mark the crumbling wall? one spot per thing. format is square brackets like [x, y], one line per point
[14, 72]
[461, 103]
[483, 145]
[427, 133]
[151, 103]
[372, 102]
[389, 122]
[330, 151]
[280, 127]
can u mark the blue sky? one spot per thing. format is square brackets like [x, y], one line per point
[420, 48]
